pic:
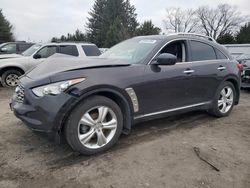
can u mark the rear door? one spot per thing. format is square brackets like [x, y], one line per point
[209, 68]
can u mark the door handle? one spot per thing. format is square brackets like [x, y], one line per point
[221, 68]
[188, 71]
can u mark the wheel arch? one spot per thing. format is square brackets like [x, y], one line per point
[236, 84]
[119, 98]
[4, 69]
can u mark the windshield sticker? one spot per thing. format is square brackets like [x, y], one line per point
[147, 41]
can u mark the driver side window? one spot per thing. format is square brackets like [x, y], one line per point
[10, 48]
[47, 51]
[177, 48]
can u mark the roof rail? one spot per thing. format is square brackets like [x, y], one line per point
[59, 41]
[198, 35]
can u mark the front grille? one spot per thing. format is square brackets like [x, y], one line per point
[19, 93]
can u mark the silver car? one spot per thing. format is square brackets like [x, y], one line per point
[12, 67]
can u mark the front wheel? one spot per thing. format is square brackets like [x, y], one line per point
[224, 100]
[94, 125]
[10, 78]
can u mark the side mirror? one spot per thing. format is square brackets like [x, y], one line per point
[166, 59]
[37, 56]
[4, 50]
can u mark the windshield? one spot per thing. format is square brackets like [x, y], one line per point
[31, 50]
[133, 50]
[1, 45]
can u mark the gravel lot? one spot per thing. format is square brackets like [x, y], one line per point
[156, 154]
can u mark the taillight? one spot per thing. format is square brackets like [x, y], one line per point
[240, 67]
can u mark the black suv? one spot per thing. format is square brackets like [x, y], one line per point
[92, 101]
[14, 47]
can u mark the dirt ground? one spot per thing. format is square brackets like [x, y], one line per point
[156, 154]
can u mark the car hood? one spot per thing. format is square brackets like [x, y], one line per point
[8, 56]
[52, 65]
[13, 61]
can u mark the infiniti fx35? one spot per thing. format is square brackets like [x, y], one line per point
[93, 101]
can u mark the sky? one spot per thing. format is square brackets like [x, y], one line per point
[40, 20]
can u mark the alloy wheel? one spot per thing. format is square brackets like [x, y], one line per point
[226, 99]
[97, 127]
[11, 80]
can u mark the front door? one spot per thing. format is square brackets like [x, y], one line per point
[165, 87]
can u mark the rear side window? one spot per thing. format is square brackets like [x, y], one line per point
[201, 51]
[91, 50]
[220, 55]
[69, 50]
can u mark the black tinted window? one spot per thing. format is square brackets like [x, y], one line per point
[91, 50]
[69, 50]
[23, 47]
[202, 51]
[220, 55]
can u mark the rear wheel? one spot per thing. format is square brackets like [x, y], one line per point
[10, 78]
[224, 100]
[94, 125]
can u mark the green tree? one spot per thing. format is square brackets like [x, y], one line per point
[243, 35]
[148, 28]
[6, 34]
[77, 36]
[228, 38]
[111, 21]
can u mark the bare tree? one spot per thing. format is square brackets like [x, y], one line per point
[178, 20]
[216, 22]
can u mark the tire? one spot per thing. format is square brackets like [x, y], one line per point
[217, 109]
[10, 74]
[90, 108]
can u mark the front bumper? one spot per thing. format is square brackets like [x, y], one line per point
[43, 114]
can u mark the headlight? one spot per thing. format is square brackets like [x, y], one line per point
[55, 88]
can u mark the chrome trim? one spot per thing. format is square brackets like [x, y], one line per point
[133, 98]
[187, 61]
[188, 71]
[197, 35]
[164, 47]
[171, 110]
[214, 48]
[221, 68]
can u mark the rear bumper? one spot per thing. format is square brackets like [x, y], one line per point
[245, 81]
[245, 85]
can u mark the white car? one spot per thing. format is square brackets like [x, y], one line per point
[12, 67]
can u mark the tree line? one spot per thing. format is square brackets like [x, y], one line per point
[112, 21]
[224, 23]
